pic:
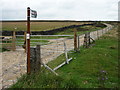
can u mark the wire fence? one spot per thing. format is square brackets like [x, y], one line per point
[94, 35]
[53, 45]
[8, 42]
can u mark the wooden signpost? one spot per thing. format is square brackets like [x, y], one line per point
[28, 40]
[34, 13]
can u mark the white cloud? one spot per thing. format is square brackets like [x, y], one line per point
[62, 9]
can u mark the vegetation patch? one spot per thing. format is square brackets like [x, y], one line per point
[3, 49]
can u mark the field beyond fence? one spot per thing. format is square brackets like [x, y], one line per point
[37, 26]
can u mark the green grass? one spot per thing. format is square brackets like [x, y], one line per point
[80, 30]
[83, 71]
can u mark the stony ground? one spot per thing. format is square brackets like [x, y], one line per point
[14, 62]
[13, 66]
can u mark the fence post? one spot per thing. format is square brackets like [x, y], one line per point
[25, 41]
[87, 40]
[97, 34]
[65, 51]
[75, 39]
[35, 58]
[88, 37]
[78, 43]
[38, 57]
[32, 59]
[13, 41]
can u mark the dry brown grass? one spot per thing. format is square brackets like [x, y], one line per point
[37, 26]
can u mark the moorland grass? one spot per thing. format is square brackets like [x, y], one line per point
[36, 26]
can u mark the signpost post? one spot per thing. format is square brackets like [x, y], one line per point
[28, 40]
[34, 15]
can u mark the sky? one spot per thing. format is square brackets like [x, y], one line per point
[80, 10]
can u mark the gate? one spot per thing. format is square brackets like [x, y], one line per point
[53, 46]
[8, 42]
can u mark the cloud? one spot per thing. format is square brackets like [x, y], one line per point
[61, 9]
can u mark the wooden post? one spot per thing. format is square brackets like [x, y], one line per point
[32, 59]
[35, 59]
[25, 42]
[88, 37]
[75, 39]
[13, 41]
[38, 58]
[66, 55]
[86, 40]
[28, 40]
[78, 43]
[97, 34]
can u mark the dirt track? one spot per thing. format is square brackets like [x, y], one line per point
[14, 62]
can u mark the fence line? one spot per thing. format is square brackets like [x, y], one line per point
[51, 35]
[95, 34]
[55, 47]
[56, 44]
[8, 42]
